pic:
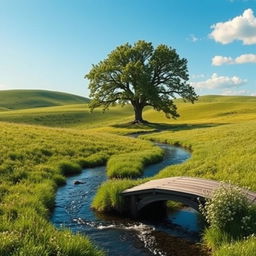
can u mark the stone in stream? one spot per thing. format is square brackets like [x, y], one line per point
[77, 182]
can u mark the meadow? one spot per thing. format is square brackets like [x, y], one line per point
[33, 162]
[34, 159]
[24, 99]
[220, 132]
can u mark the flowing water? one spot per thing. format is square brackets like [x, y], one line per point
[174, 235]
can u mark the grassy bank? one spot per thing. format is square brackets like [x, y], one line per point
[33, 161]
[131, 165]
[226, 153]
[220, 132]
[221, 153]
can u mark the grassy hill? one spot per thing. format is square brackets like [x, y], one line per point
[24, 99]
[220, 131]
[208, 110]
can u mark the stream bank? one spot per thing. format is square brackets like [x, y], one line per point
[176, 234]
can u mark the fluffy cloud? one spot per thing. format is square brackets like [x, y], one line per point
[220, 60]
[219, 82]
[244, 58]
[242, 28]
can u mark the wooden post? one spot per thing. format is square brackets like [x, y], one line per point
[133, 207]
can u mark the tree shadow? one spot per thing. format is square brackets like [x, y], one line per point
[166, 127]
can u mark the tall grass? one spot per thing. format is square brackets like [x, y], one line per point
[108, 196]
[225, 153]
[131, 165]
[221, 134]
[220, 131]
[33, 161]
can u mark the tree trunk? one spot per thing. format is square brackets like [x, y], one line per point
[138, 114]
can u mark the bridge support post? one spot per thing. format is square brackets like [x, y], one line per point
[133, 207]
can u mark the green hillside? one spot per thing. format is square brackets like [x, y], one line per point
[209, 109]
[219, 130]
[24, 99]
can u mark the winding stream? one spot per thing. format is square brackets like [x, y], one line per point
[174, 235]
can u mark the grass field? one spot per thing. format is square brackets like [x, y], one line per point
[23, 99]
[221, 135]
[208, 111]
[33, 162]
[220, 131]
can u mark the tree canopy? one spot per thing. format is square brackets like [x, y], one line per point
[141, 75]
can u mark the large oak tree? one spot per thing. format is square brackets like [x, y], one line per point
[141, 75]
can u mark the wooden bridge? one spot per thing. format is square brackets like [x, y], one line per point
[187, 190]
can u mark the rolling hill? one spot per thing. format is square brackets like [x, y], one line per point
[69, 112]
[24, 99]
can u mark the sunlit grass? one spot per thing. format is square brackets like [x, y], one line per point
[33, 161]
[220, 132]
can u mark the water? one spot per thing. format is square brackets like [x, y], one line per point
[121, 236]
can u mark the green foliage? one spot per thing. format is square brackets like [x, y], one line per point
[214, 238]
[230, 211]
[131, 165]
[143, 76]
[22, 99]
[246, 247]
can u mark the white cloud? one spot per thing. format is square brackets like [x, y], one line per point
[219, 82]
[244, 58]
[220, 60]
[242, 28]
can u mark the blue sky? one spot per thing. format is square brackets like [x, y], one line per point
[51, 44]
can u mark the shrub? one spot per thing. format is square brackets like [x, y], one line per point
[230, 211]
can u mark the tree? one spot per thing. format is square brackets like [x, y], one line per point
[142, 76]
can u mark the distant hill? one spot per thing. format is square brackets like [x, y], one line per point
[226, 99]
[24, 99]
[208, 110]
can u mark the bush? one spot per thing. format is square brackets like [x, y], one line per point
[230, 211]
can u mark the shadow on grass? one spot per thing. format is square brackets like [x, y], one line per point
[165, 127]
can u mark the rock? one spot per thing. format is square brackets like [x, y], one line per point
[77, 182]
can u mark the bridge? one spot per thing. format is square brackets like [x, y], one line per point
[187, 190]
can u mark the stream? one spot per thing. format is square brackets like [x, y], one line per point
[176, 234]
